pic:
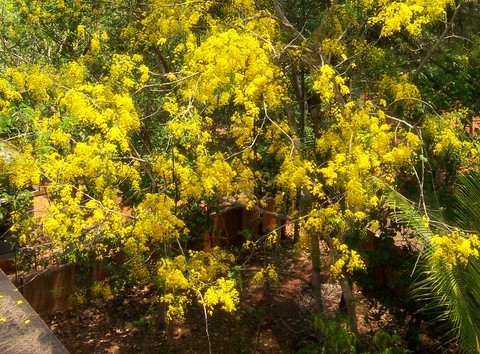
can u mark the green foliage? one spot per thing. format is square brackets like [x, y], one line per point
[467, 199]
[140, 323]
[102, 290]
[78, 297]
[335, 338]
[450, 291]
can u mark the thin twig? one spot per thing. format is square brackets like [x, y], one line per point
[280, 128]
[206, 322]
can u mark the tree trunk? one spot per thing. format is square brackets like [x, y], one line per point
[296, 229]
[350, 304]
[316, 278]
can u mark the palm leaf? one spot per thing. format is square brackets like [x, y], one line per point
[451, 295]
[467, 201]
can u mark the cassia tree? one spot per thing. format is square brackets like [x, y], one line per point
[135, 115]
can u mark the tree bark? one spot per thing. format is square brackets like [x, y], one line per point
[350, 304]
[316, 278]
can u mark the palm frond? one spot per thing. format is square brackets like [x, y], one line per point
[467, 201]
[451, 296]
[405, 211]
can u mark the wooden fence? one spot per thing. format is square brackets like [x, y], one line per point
[49, 290]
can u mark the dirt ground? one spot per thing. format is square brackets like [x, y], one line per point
[270, 319]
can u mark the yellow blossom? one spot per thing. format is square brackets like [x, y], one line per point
[455, 249]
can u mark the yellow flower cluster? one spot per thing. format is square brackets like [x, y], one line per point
[101, 289]
[231, 67]
[96, 41]
[333, 47]
[223, 293]
[409, 14]
[245, 182]
[168, 17]
[215, 174]
[263, 274]
[80, 227]
[114, 115]
[347, 261]
[23, 169]
[23, 227]
[276, 133]
[127, 72]
[166, 21]
[155, 222]
[200, 275]
[361, 145]
[295, 172]
[78, 297]
[211, 175]
[446, 140]
[325, 220]
[187, 126]
[31, 80]
[8, 95]
[399, 88]
[328, 84]
[445, 134]
[455, 248]
[176, 305]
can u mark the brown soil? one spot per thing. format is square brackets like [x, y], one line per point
[271, 319]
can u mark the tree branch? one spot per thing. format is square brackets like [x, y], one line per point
[432, 50]
[284, 20]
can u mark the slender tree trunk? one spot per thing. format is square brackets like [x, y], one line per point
[299, 84]
[316, 278]
[350, 304]
[296, 229]
[169, 332]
